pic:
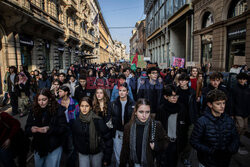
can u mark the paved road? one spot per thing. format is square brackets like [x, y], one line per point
[237, 160]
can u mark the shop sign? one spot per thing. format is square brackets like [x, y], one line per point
[61, 49]
[26, 41]
[237, 33]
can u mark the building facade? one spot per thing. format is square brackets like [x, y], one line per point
[168, 30]
[222, 33]
[47, 34]
[120, 51]
[106, 44]
[138, 39]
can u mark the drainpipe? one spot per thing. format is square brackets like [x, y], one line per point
[14, 35]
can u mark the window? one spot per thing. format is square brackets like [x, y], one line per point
[162, 15]
[52, 8]
[237, 8]
[91, 32]
[207, 20]
[167, 9]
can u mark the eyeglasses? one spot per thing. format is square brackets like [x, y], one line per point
[154, 73]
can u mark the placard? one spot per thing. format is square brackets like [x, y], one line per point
[178, 62]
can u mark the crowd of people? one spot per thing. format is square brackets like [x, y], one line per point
[109, 115]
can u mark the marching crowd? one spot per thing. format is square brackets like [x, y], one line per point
[110, 115]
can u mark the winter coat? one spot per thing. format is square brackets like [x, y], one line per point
[44, 84]
[240, 101]
[151, 92]
[211, 134]
[9, 126]
[164, 111]
[80, 93]
[10, 84]
[54, 138]
[115, 112]
[23, 88]
[161, 143]
[80, 132]
[133, 83]
[188, 98]
[115, 93]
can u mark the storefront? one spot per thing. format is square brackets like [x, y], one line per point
[59, 58]
[47, 55]
[236, 45]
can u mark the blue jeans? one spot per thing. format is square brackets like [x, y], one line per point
[93, 160]
[117, 147]
[51, 160]
[6, 158]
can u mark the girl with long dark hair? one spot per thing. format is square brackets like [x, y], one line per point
[92, 139]
[47, 125]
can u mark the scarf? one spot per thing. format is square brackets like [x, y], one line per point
[132, 146]
[22, 78]
[172, 108]
[93, 138]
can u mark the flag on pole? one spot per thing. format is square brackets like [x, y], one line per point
[95, 21]
[135, 59]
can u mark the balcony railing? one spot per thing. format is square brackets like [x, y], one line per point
[71, 4]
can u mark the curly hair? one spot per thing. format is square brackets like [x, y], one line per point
[53, 105]
[96, 104]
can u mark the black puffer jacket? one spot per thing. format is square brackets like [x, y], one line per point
[211, 134]
[188, 98]
[80, 132]
[54, 138]
[164, 111]
[153, 93]
[115, 112]
[240, 101]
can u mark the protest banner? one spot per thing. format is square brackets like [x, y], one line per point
[178, 62]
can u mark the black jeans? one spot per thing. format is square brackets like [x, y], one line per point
[169, 157]
[14, 102]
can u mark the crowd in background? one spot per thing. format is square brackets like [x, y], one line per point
[110, 115]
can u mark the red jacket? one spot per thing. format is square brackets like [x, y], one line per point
[9, 126]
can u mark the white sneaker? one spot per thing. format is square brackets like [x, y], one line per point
[242, 151]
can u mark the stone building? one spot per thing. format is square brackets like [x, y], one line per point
[222, 33]
[138, 39]
[119, 51]
[106, 44]
[168, 30]
[47, 34]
